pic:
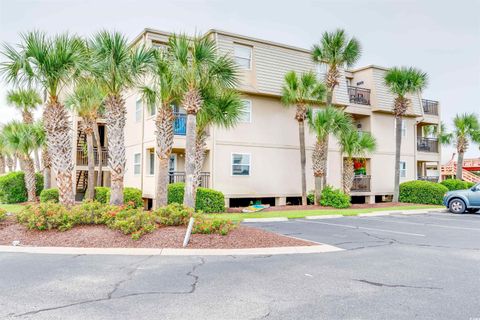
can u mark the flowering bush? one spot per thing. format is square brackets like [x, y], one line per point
[46, 216]
[205, 225]
[173, 215]
[92, 212]
[133, 221]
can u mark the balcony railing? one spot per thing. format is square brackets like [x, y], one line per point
[359, 95]
[179, 176]
[180, 124]
[428, 178]
[82, 159]
[427, 144]
[430, 107]
[361, 183]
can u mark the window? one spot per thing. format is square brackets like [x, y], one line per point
[403, 169]
[404, 127]
[151, 162]
[138, 111]
[136, 163]
[240, 164]
[246, 112]
[243, 56]
[152, 110]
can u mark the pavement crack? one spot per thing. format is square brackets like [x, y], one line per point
[379, 284]
[195, 277]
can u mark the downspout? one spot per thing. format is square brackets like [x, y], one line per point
[142, 158]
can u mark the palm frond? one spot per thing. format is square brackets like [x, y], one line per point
[329, 121]
[402, 81]
[24, 99]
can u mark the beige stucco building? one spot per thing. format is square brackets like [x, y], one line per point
[259, 158]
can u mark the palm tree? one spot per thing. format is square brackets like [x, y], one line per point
[52, 63]
[402, 82]
[466, 129]
[200, 69]
[26, 101]
[22, 139]
[354, 144]
[325, 122]
[301, 91]
[336, 52]
[4, 156]
[117, 67]
[86, 100]
[164, 90]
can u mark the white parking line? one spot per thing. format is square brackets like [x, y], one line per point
[364, 228]
[421, 224]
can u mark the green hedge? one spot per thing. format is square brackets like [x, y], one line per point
[424, 192]
[207, 200]
[455, 184]
[49, 195]
[101, 194]
[133, 195]
[12, 187]
[334, 198]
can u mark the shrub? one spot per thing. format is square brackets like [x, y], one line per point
[92, 212]
[424, 192]
[334, 198]
[455, 184]
[49, 195]
[12, 187]
[205, 225]
[131, 197]
[173, 215]
[469, 184]
[101, 194]
[133, 221]
[3, 214]
[311, 198]
[207, 200]
[46, 216]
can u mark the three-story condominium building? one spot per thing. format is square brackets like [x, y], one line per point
[259, 158]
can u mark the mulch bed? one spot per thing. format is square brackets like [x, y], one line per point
[99, 236]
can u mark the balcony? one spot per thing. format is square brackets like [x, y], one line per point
[361, 183]
[82, 159]
[359, 95]
[428, 178]
[179, 176]
[427, 144]
[180, 124]
[430, 107]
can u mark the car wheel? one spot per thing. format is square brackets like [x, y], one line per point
[456, 206]
[472, 210]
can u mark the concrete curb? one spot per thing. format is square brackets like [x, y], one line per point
[322, 248]
[265, 219]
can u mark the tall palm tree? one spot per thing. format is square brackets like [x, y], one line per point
[163, 91]
[336, 51]
[402, 82]
[301, 91]
[354, 144]
[117, 67]
[200, 68]
[26, 101]
[325, 122]
[51, 63]
[466, 129]
[86, 100]
[23, 139]
[221, 108]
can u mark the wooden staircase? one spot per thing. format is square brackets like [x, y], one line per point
[450, 169]
[82, 181]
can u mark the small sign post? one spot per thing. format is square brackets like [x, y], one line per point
[189, 232]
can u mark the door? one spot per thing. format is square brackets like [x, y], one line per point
[474, 196]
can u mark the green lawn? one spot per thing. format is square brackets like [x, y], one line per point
[302, 213]
[11, 207]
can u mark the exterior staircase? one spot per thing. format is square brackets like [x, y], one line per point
[450, 169]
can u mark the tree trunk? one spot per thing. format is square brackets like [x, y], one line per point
[348, 175]
[9, 163]
[303, 160]
[100, 155]
[319, 163]
[200, 150]
[164, 143]
[37, 160]
[2, 164]
[47, 169]
[91, 165]
[15, 161]
[398, 145]
[59, 142]
[460, 165]
[189, 198]
[115, 115]
[29, 176]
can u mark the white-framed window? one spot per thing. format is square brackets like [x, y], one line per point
[151, 162]
[241, 163]
[152, 110]
[137, 160]
[404, 127]
[138, 110]
[403, 169]
[243, 55]
[246, 112]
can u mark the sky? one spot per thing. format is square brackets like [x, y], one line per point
[440, 37]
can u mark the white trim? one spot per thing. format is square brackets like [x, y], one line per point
[249, 113]
[249, 164]
[404, 170]
[237, 44]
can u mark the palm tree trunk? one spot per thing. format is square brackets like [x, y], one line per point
[10, 163]
[164, 140]
[189, 198]
[91, 164]
[348, 175]
[319, 162]
[15, 161]
[47, 169]
[37, 160]
[200, 150]
[59, 142]
[460, 165]
[29, 176]
[115, 115]
[2, 164]
[303, 160]
[100, 154]
[398, 145]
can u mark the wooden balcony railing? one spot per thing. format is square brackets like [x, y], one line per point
[179, 176]
[428, 178]
[359, 95]
[430, 107]
[427, 144]
[180, 124]
[361, 183]
[82, 159]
